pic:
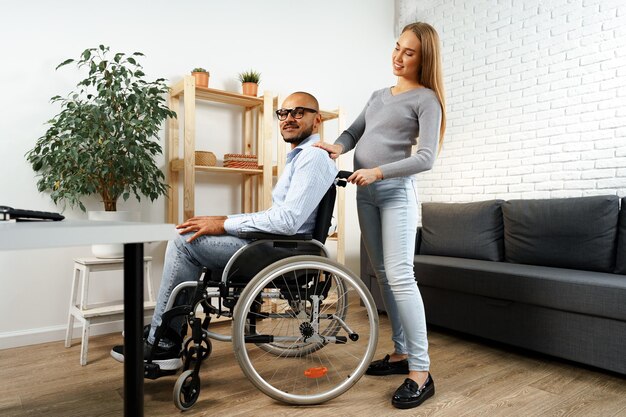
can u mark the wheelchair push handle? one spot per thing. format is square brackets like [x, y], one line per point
[341, 178]
[344, 174]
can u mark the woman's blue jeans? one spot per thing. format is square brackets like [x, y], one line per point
[388, 218]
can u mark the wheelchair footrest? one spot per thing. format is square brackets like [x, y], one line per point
[154, 371]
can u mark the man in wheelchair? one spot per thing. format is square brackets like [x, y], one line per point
[211, 241]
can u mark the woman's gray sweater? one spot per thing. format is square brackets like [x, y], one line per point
[387, 128]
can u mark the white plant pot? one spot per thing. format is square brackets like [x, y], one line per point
[115, 250]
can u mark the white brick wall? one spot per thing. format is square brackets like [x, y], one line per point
[536, 95]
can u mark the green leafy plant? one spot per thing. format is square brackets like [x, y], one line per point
[250, 76]
[199, 70]
[105, 137]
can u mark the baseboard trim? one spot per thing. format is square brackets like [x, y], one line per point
[49, 334]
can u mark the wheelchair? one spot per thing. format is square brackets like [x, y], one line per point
[304, 328]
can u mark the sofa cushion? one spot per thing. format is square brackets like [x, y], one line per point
[464, 230]
[586, 292]
[620, 259]
[575, 233]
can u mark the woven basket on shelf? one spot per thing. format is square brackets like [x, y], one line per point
[205, 158]
[238, 160]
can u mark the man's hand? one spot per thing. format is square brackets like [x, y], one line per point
[203, 225]
[365, 176]
[333, 150]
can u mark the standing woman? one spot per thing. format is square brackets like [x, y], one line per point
[385, 169]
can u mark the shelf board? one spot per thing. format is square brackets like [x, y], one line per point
[227, 97]
[227, 170]
[329, 115]
[219, 96]
[177, 165]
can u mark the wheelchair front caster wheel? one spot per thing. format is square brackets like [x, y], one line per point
[186, 390]
[205, 349]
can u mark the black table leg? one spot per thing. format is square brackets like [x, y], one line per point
[133, 335]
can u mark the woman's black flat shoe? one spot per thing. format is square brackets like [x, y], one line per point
[408, 395]
[384, 367]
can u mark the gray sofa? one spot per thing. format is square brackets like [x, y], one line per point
[546, 275]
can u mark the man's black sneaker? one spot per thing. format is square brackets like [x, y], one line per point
[168, 359]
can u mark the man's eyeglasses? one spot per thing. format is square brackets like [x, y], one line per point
[296, 113]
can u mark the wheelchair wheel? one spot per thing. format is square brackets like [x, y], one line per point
[189, 348]
[186, 390]
[327, 328]
[304, 330]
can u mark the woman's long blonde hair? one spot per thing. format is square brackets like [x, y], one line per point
[430, 73]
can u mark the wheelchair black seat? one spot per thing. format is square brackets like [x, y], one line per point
[263, 254]
[274, 248]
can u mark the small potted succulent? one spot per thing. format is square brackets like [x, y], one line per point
[250, 82]
[202, 77]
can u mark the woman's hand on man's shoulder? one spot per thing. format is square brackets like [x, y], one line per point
[333, 150]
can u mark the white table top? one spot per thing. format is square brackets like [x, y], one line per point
[37, 235]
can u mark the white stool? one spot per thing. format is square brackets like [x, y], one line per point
[91, 313]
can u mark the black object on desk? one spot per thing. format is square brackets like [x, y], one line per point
[10, 213]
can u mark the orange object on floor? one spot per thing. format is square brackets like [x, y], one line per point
[318, 372]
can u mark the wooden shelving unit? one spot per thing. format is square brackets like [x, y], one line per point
[257, 142]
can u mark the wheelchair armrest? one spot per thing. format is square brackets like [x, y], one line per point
[271, 236]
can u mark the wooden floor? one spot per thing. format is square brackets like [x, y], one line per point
[472, 378]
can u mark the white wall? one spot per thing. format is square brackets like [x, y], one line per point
[536, 101]
[337, 50]
[536, 98]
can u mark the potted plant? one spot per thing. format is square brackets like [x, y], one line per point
[105, 138]
[250, 82]
[202, 77]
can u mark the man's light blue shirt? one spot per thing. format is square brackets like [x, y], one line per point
[308, 174]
